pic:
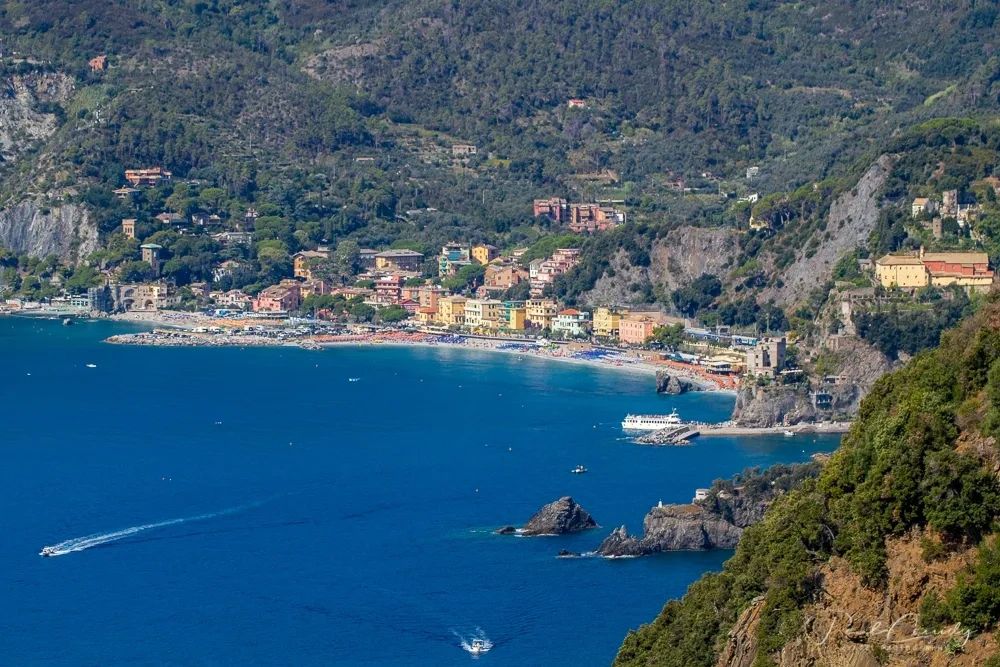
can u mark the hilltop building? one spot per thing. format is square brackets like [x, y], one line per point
[399, 260]
[939, 269]
[484, 253]
[543, 272]
[147, 177]
[453, 257]
[303, 263]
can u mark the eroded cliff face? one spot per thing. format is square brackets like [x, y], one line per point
[850, 222]
[858, 626]
[32, 228]
[685, 254]
[24, 117]
[772, 405]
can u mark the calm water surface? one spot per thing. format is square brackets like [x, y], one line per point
[348, 523]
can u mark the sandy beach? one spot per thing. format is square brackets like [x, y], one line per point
[182, 329]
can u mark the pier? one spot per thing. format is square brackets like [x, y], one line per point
[682, 434]
[797, 429]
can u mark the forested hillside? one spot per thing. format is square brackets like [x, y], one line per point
[335, 120]
[899, 527]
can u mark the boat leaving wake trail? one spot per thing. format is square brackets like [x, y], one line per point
[97, 539]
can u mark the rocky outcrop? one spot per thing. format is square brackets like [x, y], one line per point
[666, 383]
[852, 217]
[673, 528]
[24, 119]
[772, 405]
[675, 260]
[741, 643]
[557, 518]
[34, 229]
[714, 522]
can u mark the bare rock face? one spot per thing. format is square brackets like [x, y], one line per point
[850, 222]
[685, 254]
[673, 528]
[34, 229]
[672, 384]
[772, 405]
[741, 643]
[559, 518]
[23, 119]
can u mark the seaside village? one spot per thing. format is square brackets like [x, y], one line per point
[410, 291]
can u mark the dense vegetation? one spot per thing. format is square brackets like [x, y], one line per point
[269, 104]
[897, 469]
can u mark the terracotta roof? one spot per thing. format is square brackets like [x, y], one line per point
[957, 257]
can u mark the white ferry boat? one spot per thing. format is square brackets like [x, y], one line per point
[651, 422]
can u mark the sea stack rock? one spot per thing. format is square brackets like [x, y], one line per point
[672, 384]
[558, 518]
[619, 544]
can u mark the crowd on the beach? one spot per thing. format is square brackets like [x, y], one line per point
[191, 330]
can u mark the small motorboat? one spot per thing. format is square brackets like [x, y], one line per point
[789, 434]
[579, 470]
[479, 646]
[353, 379]
[47, 551]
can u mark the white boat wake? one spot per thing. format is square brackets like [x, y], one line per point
[476, 644]
[97, 539]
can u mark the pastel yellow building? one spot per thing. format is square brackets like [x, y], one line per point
[540, 312]
[484, 253]
[905, 271]
[483, 313]
[606, 322]
[451, 310]
[516, 317]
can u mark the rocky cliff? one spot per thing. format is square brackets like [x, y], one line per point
[683, 255]
[849, 223]
[772, 405]
[34, 229]
[673, 528]
[714, 522]
[27, 110]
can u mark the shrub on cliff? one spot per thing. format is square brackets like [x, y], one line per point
[897, 469]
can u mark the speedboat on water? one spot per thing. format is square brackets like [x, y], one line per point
[47, 551]
[789, 434]
[479, 646]
[579, 470]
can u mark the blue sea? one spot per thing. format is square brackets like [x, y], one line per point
[254, 506]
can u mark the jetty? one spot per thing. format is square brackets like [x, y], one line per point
[797, 429]
[684, 433]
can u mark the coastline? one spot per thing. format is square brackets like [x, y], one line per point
[181, 329]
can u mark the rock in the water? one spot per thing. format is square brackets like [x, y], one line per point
[672, 384]
[620, 544]
[558, 518]
[506, 530]
[566, 553]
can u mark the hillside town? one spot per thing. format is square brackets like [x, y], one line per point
[480, 291]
